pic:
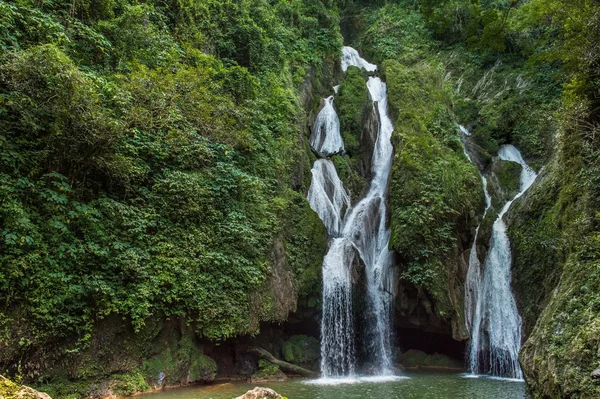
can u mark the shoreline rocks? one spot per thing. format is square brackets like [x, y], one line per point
[261, 393]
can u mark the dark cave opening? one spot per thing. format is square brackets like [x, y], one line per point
[430, 343]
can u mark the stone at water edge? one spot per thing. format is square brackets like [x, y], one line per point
[11, 390]
[278, 376]
[260, 393]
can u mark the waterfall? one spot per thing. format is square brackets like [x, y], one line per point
[327, 196]
[496, 324]
[337, 325]
[473, 278]
[350, 57]
[326, 138]
[361, 230]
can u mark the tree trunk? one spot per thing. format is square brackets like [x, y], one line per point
[285, 366]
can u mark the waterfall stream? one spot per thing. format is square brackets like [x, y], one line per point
[473, 278]
[493, 318]
[361, 229]
[327, 122]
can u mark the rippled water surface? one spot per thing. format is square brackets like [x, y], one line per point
[416, 385]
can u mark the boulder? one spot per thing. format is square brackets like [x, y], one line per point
[260, 393]
[596, 374]
[11, 390]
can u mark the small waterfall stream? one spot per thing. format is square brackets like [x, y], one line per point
[473, 278]
[327, 122]
[495, 324]
[361, 229]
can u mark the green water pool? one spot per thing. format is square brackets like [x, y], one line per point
[413, 385]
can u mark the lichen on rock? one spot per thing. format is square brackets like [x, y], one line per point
[12, 390]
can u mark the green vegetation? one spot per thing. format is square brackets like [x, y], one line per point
[266, 370]
[351, 102]
[514, 72]
[433, 187]
[147, 158]
[12, 390]
[153, 168]
[508, 174]
[302, 350]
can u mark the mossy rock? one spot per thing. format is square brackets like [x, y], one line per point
[347, 169]
[12, 390]
[417, 358]
[129, 384]
[267, 372]
[351, 103]
[203, 369]
[302, 350]
[182, 362]
[305, 242]
[509, 178]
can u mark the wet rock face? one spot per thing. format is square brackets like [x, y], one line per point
[260, 393]
[368, 137]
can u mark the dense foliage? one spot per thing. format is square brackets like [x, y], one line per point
[147, 152]
[524, 73]
[153, 163]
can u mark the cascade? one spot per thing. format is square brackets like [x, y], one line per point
[326, 138]
[363, 230]
[496, 323]
[350, 57]
[473, 277]
[327, 195]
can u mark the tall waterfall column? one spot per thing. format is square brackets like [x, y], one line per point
[496, 325]
[363, 230]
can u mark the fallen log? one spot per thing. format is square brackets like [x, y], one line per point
[285, 366]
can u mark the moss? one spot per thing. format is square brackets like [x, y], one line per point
[180, 362]
[130, 383]
[536, 243]
[266, 370]
[302, 350]
[203, 368]
[11, 390]
[434, 190]
[305, 242]
[351, 103]
[509, 177]
[563, 350]
[347, 171]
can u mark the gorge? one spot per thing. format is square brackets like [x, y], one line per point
[401, 197]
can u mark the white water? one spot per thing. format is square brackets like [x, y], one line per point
[354, 380]
[326, 138]
[496, 327]
[327, 195]
[363, 230]
[473, 278]
[350, 57]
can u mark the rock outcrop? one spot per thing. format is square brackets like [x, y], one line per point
[260, 393]
[11, 390]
